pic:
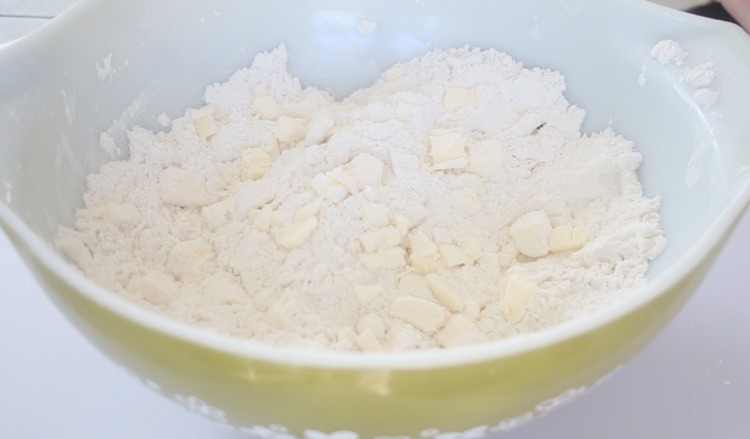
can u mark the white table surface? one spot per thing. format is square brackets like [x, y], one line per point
[692, 382]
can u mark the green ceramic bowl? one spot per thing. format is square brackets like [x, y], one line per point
[127, 61]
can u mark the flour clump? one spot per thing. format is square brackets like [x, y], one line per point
[454, 201]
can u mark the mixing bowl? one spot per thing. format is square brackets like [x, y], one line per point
[109, 65]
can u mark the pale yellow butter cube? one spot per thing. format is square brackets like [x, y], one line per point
[421, 313]
[380, 239]
[413, 284]
[368, 292]
[191, 260]
[365, 170]
[122, 216]
[254, 163]
[374, 215]
[517, 293]
[486, 157]
[307, 211]
[290, 130]
[444, 293]
[507, 255]
[206, 127]
[465, 200]
[580, 236]
[460, 331]
[471, 247]
[423, 255]
[329, 188]
[266, 107]
[531, 233]
[155, 287]
[448, 148]
[403, 224]
[374, 323]
[182, 188]
[387, 259]
[368, 342]
[453, 256]
[262, 220]
[217, 214]
[295, 235]
[565, 238]
[457, 97]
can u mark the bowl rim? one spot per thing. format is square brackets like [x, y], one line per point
[392, 361]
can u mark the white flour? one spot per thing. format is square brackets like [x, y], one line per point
[390, 220]
[699, 76]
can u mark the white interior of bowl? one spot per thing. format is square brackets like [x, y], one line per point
[125, 62]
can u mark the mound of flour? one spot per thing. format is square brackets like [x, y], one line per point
[452, 202]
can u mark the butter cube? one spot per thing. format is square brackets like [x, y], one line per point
[307, 211]
[380, 239]
[374, 215]
[217, 214]
[456, 97]
[505, 259]
[460, 331]
[564, 238]
[295, 235]
[413, 284]
[448, 149]
[368, 292]
[155, 287]
[266, 107]
[517, 294]
[206, 127]
[423, 254]
[403, 224]
[471, 248]
[372, 322]
[329, 188]
[472, 309]
[580, 237]
[421, 313]
[191, 260]
[319, 128]
[344, 178]
[507, 255]
[465, 200]
[368, 342]
[453, 256]
[262, 220]
[254, 163]
[290, 130]
[249, 195]
[182, 188]
[365, 170]
[387, 259]
[486, 157]
[444, 294]
[122, 216]
[531, 233]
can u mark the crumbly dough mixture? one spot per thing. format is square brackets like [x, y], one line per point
[454, 201]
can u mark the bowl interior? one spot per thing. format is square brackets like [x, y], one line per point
[110, 65]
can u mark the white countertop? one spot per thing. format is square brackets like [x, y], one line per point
[692, 382]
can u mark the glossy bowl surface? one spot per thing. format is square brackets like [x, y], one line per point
[118, 63]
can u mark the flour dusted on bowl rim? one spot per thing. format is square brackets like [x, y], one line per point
[454, 201]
